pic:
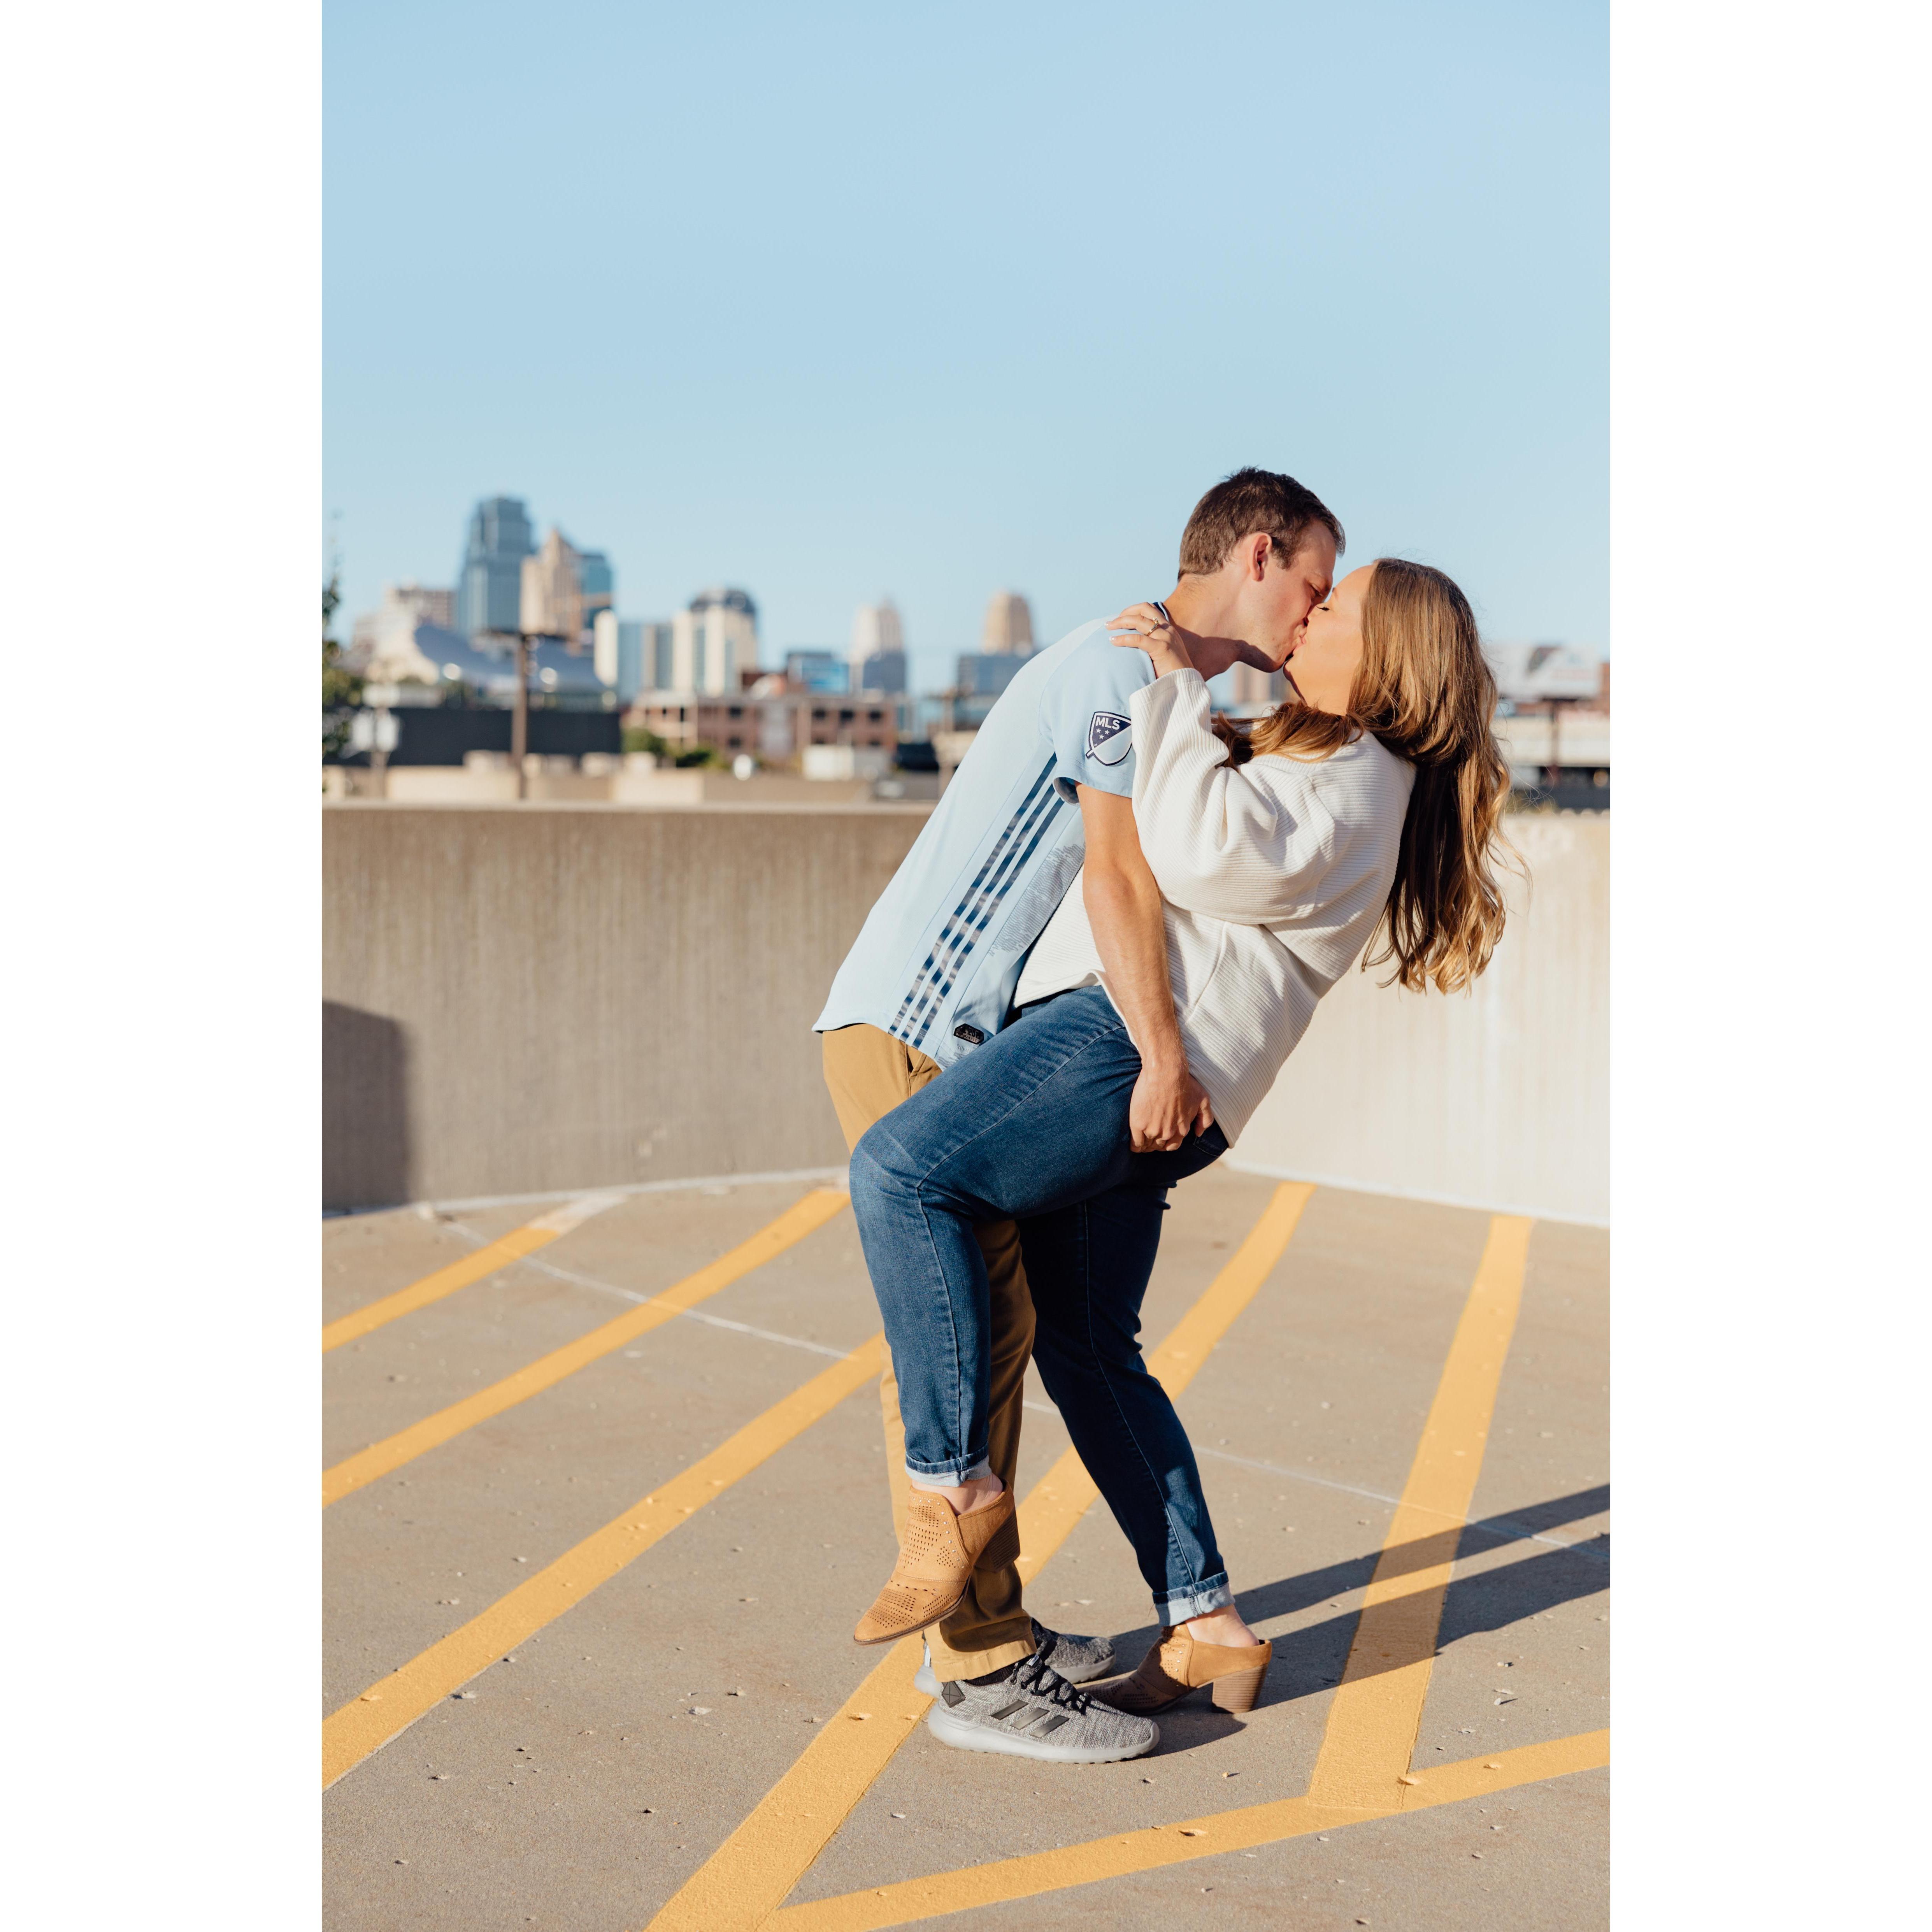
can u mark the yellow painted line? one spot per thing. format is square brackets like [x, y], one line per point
[486, 1260]
[391, 1704]
[1178, 1358]
[1372, 1719]
[380, 1458]
[1376, 1711]
[1005, 1880]
[748, 1878]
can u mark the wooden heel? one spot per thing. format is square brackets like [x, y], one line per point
[1237, 1695]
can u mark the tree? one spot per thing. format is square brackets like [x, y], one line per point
[341, 688]
[641, 738]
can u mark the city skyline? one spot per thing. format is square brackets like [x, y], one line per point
[569, 592]
[1372, 253]
[1005, 616]
[703, 646]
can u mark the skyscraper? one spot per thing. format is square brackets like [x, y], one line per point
[654, 655]
[599, 583]
[714, 641]
[552, 604]
[489, 580]
[632, 656]
[876, 628]
[878, 648]
[1008, 627]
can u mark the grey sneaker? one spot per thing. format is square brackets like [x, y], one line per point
[1078, 1659]
[1031, 1710]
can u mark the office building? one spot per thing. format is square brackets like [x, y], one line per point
[598, 582]
[775, 728]
[1008, 630]
[403, 606]
[1546, 673]
[632, 656]
[552, 602]
[714, 642]
[816, 670]
[986, 674]
[490, 580]
[618, 669]
[655, 651]
[876, 628]
[878, 648]
[883, 674]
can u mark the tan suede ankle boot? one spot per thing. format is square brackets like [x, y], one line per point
[937, 1558]
[1176, 1665]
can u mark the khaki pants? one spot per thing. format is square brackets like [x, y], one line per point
[869, 1073]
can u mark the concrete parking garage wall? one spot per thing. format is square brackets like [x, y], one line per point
[585, 995]
[526, 998]
[1498, 1098]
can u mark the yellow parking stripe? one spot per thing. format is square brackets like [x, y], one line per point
[1005, 1880]
[486, 1260]
[366, 1464]
[748, 1876]
[1377, 1708]
[390, 1706]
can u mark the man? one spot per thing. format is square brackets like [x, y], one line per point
[1047, 789]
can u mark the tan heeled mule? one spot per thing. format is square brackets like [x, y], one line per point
[937, 1556]
[1176, 1665]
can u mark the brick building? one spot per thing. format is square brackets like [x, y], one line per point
[773, 726]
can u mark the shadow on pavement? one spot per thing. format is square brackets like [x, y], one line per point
[1310, 1660]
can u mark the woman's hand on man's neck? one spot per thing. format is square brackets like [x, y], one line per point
[1202, 612]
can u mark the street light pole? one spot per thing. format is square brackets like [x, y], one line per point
[520, 717]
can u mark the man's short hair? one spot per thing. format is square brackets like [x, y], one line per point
[1248, 501]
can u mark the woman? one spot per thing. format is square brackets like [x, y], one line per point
[1366, 806]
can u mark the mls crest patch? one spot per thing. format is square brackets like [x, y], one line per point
[1108, 739]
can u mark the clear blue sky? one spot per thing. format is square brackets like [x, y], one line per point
[836, 301]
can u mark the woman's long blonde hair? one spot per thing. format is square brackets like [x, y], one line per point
[1425, 691]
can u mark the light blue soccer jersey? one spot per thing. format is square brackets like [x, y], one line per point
[939, 955]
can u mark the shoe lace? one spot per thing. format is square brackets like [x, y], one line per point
[1037, 1677]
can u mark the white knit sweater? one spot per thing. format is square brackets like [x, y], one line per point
[1275, 873]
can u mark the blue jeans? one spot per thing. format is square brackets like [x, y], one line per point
[1033, 1126]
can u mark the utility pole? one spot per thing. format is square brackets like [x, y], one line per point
[520, 717]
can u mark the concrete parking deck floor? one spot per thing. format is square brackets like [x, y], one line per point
[588, 1657]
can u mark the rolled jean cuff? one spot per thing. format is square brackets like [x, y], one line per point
[1178, 1605]
[951, 1474]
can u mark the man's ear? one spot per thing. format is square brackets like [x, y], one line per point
[1260, 547]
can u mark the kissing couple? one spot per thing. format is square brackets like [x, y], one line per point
[1077, 988]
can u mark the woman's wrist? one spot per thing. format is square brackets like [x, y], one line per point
[1148, 629]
